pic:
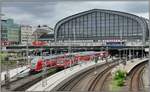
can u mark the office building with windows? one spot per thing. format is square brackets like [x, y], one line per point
[26, 34]
[10, 32]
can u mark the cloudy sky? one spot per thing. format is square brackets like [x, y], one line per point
[35, 13]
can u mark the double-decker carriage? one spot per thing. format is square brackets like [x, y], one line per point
[67, 61]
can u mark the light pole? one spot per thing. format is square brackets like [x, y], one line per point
[69, 50]
[74, 34]
[137, 53]
[107, 52]
[132, 48]
[130, 54]
[121, 41]
[74, 42]
[63, 41]
[119, 56]
[143, 43]
[96, 60]
[126, 56]
[142, 51]
[44, 81]
[27, 49]
[149, 59]
[51, 51]
[149, 53]
[7, 75]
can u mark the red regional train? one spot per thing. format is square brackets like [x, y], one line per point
[64, 60]
[38, 63]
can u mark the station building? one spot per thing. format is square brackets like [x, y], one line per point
[98, 29]
[99, 25]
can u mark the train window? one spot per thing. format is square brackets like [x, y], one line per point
[47, 59]
[60, 62]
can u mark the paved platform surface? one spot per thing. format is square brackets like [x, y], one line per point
[15, 71]
[146, 78]
[133, 63]
[129, 65]
[49, 83]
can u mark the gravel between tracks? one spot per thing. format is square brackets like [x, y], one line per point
[86, 80]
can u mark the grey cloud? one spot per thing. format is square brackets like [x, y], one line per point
[136, 7]
[36, 8]
[51, 12]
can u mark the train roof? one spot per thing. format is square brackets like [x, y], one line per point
[66, 54]
[87, 52]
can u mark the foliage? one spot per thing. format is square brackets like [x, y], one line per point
[113, 87]
[8, 62]
[3, 60]
[120, 77]
[120, 82]
[3, 56]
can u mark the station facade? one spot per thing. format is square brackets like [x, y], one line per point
[98, 25]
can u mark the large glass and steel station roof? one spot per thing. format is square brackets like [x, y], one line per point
[99, 24]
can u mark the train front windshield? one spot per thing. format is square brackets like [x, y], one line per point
[34, 61]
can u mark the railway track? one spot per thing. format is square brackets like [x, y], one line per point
[97, 83]
[24, 83]
[89, 81]
[135, 82]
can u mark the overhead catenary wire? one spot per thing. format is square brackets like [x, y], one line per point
[149, 48]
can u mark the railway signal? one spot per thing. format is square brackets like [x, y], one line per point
[17, 66]
[44, 81]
